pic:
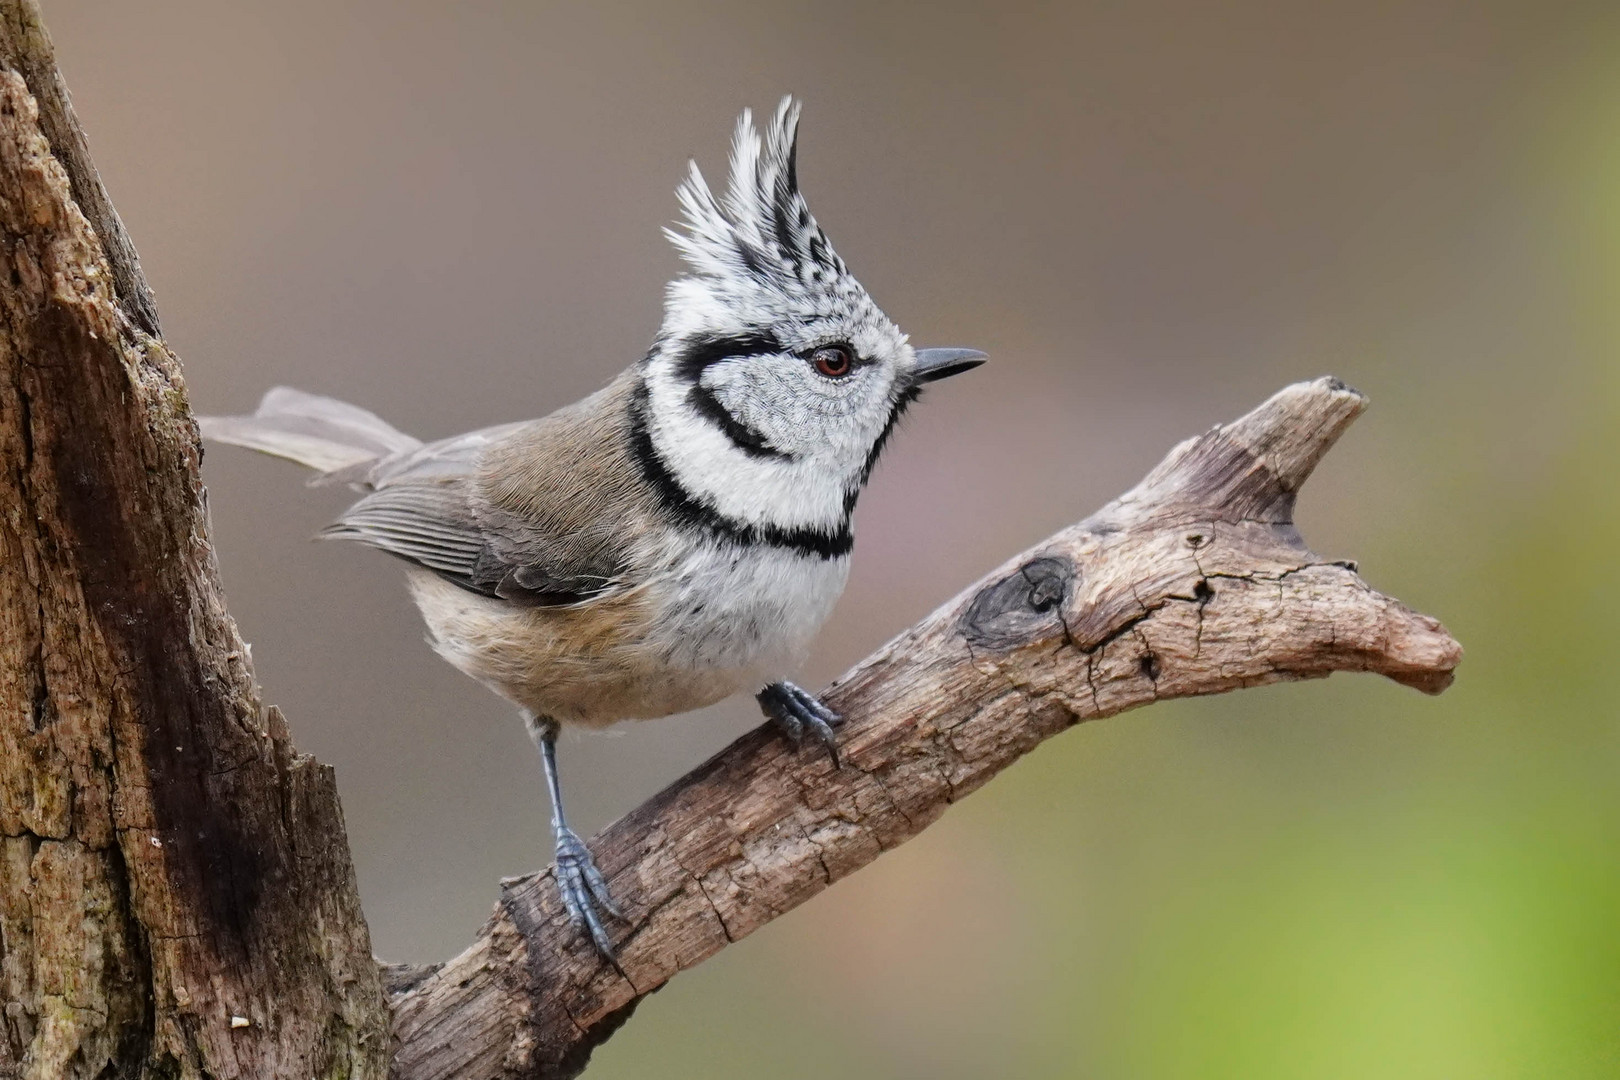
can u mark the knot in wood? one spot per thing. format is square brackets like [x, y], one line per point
[1023, 606]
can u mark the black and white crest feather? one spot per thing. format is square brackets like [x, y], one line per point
[756, 255]
[761, 227]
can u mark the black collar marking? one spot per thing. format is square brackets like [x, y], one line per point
[896, 411]
[705, 352]
[691, 510]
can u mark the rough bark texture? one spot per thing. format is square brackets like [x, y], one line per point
[1195, 582]
[176, 897]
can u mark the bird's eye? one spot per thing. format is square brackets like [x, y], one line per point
[833, 361]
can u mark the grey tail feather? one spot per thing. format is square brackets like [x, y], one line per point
[322, 433]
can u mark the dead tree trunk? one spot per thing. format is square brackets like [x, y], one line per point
[176, 895]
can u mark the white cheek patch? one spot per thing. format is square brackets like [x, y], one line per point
[804, 415]
[754, 490]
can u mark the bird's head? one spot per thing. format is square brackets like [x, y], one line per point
[775, 379]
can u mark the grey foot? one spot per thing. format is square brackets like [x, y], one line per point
[796, 712]
[584, 890]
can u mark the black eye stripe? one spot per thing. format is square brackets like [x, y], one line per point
[708, 351]
[704, 352]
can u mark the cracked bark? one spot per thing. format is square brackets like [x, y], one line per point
[176, 898]
[168, 863]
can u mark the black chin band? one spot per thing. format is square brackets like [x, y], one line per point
[896, 411]
[692, 510]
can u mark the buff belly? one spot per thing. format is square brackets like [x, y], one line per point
[666, 647]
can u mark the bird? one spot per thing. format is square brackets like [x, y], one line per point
[672, 539]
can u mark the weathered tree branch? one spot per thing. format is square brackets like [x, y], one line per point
[1195, 582]
[176, 896]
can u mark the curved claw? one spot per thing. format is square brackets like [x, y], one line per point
[583, 889]
[795, 711]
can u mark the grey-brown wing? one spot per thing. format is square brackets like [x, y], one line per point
[427, 524]
[428, 508]
[434, 525]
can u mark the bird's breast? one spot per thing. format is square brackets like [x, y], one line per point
[709, 619]
[755, 608]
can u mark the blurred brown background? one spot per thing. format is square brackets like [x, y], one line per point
[1152, 215]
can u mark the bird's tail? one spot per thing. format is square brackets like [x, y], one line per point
[333, 437]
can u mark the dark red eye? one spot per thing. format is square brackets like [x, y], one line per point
[833, 361]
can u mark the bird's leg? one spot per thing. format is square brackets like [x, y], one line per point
[796, 711]
[581, 884]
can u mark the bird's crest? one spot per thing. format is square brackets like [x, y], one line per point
[761, 228]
